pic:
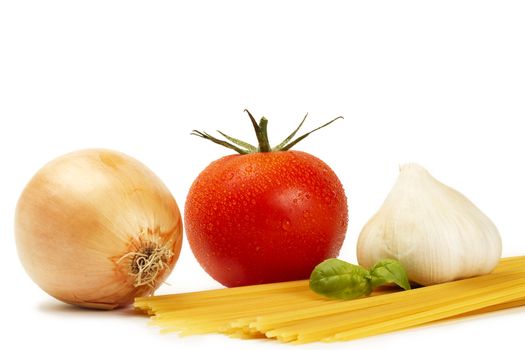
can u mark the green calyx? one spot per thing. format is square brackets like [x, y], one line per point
[261, 131]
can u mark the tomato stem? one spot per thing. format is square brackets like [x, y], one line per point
[261, 131]
[264, 143]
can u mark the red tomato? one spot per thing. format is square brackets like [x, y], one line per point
[265, 217]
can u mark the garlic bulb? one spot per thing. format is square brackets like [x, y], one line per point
[436, 233]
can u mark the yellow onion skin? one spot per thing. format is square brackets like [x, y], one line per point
[88, 219]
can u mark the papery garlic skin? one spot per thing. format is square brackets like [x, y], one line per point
[436, 233]
[85, 219]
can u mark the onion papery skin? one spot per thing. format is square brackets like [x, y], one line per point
[84, 220]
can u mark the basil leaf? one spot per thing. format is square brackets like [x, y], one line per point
[338, 279]
[389, 271]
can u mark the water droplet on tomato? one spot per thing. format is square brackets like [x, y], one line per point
[286, 225]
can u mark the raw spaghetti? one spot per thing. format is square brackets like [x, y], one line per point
[290, 312]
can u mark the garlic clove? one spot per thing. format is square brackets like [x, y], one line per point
[436, 233]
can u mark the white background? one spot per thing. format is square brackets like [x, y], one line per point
[440, 83]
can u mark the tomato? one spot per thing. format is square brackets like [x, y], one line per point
[265, 217]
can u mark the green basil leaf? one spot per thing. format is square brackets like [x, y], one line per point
[338, 279]
[389, 271]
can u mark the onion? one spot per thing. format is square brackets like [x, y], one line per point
[96, 228]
